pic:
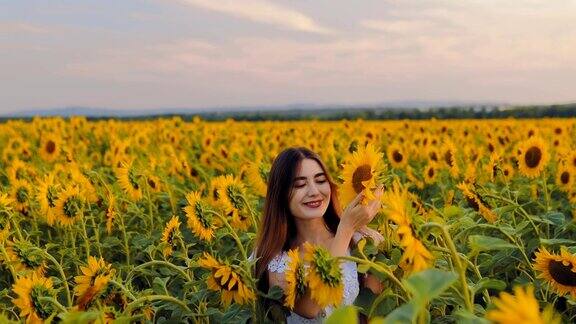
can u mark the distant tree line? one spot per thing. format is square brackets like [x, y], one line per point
[375, 113]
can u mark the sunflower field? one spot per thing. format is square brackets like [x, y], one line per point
[155, 221]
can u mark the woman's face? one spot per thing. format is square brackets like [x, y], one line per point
[310, 191]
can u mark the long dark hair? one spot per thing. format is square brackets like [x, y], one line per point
[277, 230]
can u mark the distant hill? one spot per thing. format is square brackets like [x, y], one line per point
[130, 113]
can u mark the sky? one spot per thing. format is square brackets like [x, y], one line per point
[147, 54]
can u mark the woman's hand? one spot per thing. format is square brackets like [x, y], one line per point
[356, 215]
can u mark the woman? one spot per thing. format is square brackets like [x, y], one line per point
[301, 206]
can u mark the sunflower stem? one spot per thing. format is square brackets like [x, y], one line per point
[457, 262]
[53, 302]
[86, 240]
[121, 286]
[158, 262]
[9, 264]
[125, 236]
[60, 271]
[96, 231]
[156, 298]
[232, 233]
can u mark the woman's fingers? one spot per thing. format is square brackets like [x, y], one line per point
[356, 200]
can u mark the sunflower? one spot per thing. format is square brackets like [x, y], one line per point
[476, 202]
[199, 219]
[129, 181]
[21, 193]
[507, 171]
[26, 257]
[558, 270]
[153, 183]
[430, 173]
[258, 172]
[170, 234]
[397, 156]
[47, 196]
[532, 157]
[449, 158]
[92, 282]
[49, 147]
[522, 307]
[324, 276]
[572, 160]
[30, 290]
[361, 171]
[231, 195]
[295, 278]
[394, 204]
[416, 256]
[19, 170]
[5, 210]
[69, 206]
[564, 178]
[226, 281]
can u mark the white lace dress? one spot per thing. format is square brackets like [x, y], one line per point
[351, 286]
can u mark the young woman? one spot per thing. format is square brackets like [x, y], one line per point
[302, 206]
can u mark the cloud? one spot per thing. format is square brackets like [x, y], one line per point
[262, 12]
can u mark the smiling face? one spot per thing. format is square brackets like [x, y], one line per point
[310, 191]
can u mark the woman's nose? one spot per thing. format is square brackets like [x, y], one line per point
[313, 190]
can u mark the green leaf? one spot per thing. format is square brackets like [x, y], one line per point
[428, 284]
[159, 285]
[404, 314]
[363, 268]
[346, 314]
[465, 317]
[544, 241]
[556, 218]
[452, 211]
[487, 243]
[488, 283]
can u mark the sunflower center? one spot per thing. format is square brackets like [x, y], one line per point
[565, 177]
[42, 308]
[235, 197]
[533, 157]
[21, 194]
[300, 283]
[362, 173]
[431, 172]
[562, 274]
[51, 196]
[264, 171]
[72, 207]
[204, 218]
[132, 179]
[448, 157]
[327, 268]
[152, 183]
[50, 146]
[397, 156]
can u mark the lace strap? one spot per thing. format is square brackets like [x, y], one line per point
[279, 263]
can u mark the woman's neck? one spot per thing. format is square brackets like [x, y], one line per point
[313, 231]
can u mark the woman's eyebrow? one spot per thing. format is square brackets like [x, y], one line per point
[315, 176]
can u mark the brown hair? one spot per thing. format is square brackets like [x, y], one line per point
[277, 229]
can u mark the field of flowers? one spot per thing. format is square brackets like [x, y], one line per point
[154, 221]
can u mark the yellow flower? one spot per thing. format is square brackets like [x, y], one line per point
[22, 195]
[475, 201]
[532, 157]
[231, 195]
[449, 158]
[361, 171]
[25, 257]
[430, 173]
[226, 281]
[47, 197]
[92, 282]
[559, 271]
[170, 234]
[295, 278]
[394, 204]
[69, 206]
[416, 256]
[110, 211]
[49, 147]
[397, 156]
[324, 275]
[129, 181]
[522, 307]
[5, 210]
[564, 178]
[30, 290]
[199, 220]
[258, 172]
